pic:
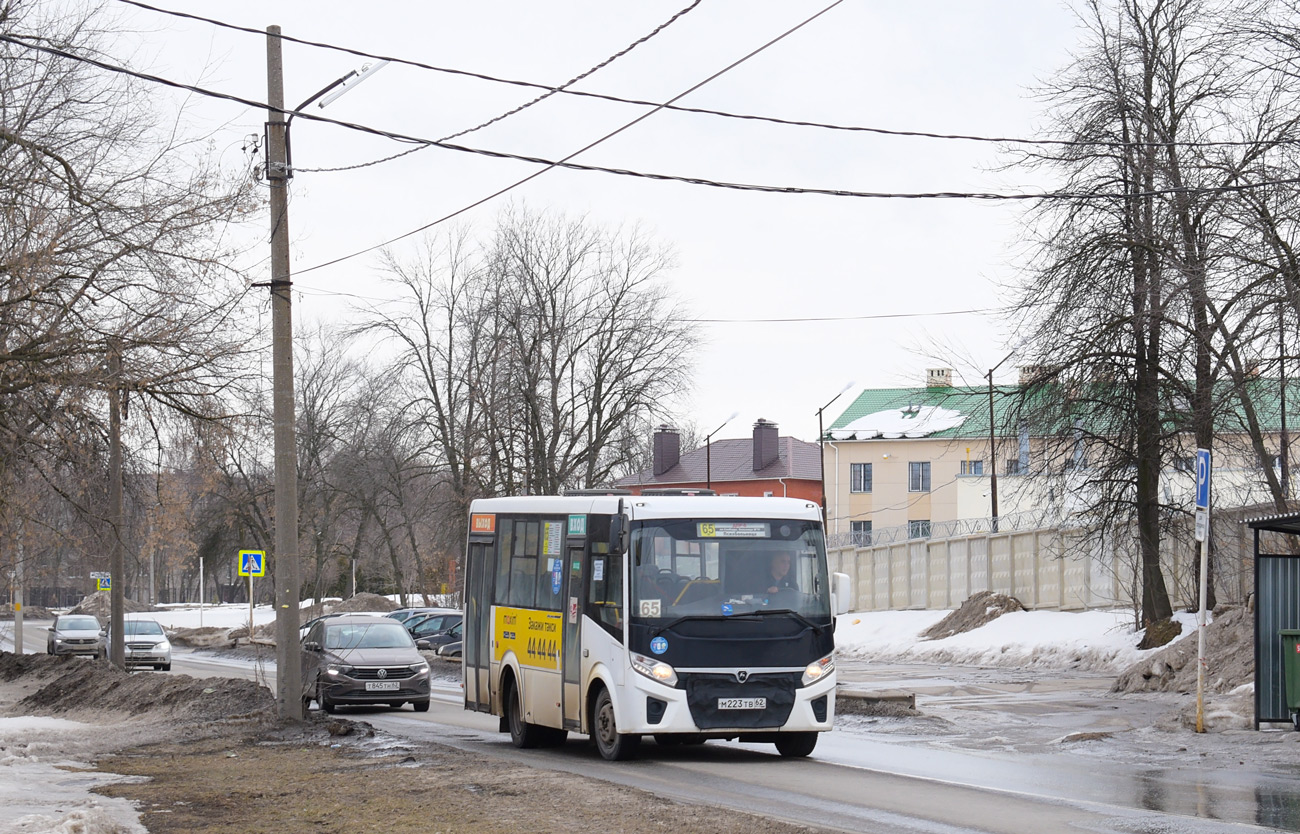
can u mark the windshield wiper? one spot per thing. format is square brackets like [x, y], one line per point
[801, 618]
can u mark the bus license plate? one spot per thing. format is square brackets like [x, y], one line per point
[383, 686]
[742, 703]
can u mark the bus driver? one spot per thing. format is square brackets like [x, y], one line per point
[779, 577]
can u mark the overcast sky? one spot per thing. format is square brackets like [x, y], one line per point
[946, 66]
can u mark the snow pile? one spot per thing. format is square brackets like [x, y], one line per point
[30, 612]
[99, 604]
[1098, 641]
[1229, 654]
[913, 421]
[981, 609]
[364, 602]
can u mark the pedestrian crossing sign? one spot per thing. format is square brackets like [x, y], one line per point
[252, 563]
[103, 583]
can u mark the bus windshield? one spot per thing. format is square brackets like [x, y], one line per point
[696, 567]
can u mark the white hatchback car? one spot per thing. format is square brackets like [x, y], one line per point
[146, 644]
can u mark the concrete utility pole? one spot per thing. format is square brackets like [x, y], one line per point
[117, 576]
[18, 592]
[288, 677]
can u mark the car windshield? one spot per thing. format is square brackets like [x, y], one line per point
[142, 628]
[78, 624]
[685, 567]
[366, 636]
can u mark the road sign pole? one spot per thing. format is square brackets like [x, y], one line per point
[1202, 506]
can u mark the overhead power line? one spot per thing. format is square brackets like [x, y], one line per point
[626, 172]
[625, 50]
[565, 90]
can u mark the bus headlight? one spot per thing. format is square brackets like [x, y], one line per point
[818, 669]
[655, 670]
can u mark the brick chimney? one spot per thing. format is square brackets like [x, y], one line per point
[767, 444]
[938, 378]
[667, 449]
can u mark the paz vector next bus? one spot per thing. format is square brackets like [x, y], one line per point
[683, 617]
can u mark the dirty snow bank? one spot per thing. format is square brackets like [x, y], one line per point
[1085, 641]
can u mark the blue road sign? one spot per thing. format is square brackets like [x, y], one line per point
[1203, 479]
[252, 563]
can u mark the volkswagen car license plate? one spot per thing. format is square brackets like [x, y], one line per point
[742, 703]
[383, 686]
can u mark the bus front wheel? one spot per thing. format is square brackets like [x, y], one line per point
[613, 745]
[796, 745]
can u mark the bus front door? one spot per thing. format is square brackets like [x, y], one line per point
[572, 660]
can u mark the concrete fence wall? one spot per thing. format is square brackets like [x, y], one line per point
[1049, 568]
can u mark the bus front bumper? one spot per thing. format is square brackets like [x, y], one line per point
[720, 704]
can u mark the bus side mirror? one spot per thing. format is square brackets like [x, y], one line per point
[841, 593]
[617, 532]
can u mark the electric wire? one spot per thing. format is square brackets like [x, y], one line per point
[566, 162]
[611, 59]
[919, 134]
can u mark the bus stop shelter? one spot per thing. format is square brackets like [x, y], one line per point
[1277, 607]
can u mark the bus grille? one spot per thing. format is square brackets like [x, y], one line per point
[704, 690]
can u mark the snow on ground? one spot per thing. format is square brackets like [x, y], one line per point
[1097, 641]
[45, 789]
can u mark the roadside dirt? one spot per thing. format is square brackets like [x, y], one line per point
[226, 764]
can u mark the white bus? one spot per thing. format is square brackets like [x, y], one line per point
[684, 618]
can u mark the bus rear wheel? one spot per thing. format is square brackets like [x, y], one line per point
[522, 734]
[796, 745]
[613, 745]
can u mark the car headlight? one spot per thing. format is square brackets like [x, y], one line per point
[422, 669]
[655, 670]
[58, 639]
[818, 669]
[162, 647]
[332, 670]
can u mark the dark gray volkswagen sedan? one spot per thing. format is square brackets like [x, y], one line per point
[363, 660]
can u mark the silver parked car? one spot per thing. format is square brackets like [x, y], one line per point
[363, 660]
[146, 644]
[74, 634]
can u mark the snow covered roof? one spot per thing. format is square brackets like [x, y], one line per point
[908, 421]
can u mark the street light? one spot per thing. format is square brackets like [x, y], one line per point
[821, 445]
[708, 450]
[279, 170]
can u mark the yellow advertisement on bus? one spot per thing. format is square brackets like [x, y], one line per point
[534, 636]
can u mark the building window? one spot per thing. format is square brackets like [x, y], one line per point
[918, 476]
[972, 467]
[860, 533]
[859, 477]
[1185, 464]
[918, 529]
[1013, 467]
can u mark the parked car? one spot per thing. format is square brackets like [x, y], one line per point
[451, 651]
[302, 629]
[357, 659]
[407, 616]
[146, 644]
[434, 628]
[74, 634]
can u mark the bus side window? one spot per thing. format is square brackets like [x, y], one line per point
[505, 542]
